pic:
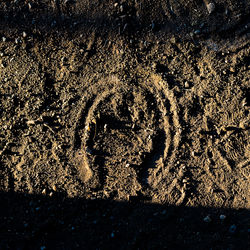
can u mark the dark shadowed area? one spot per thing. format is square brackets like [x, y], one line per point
[58, 222]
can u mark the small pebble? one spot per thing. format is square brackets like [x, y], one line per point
[153, 26]
[53, 24]
[125, 27]
[24, 34]
[202, 25]
[222, 217]
[232, 229]
[173, 40]
[17, 40]
[105, 127]
[207, 219]
[210, 7]
[186, 84]
[4, 39]
[30, 122]
[121, 8]
[232, 69]
[197, 32]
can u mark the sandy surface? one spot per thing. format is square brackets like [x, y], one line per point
[124, 124]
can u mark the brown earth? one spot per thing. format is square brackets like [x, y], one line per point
[124, 124]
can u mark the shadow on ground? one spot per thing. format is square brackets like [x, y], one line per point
[127, 17]
[56, 222]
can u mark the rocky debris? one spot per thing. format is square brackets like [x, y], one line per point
[232, 229]
[222, 217]
[210, 6]
[207, 219]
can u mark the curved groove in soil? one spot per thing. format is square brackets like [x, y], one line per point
[151, 163]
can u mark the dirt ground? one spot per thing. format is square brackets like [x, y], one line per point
[124, 124]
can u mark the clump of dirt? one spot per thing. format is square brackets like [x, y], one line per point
[140, 102]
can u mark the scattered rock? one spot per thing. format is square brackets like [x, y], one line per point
[105, 127]
[54, 188]
[4, 39]
[121, 8]
[17, 40]
[210, 6]
[197, 32]
[153, 26]
[232, 229]
[207, 219]
[30, 122]
[222, 217]
[30, 6]
[186, 84]
[53, 24]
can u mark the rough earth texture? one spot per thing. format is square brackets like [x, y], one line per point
[124, 124]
